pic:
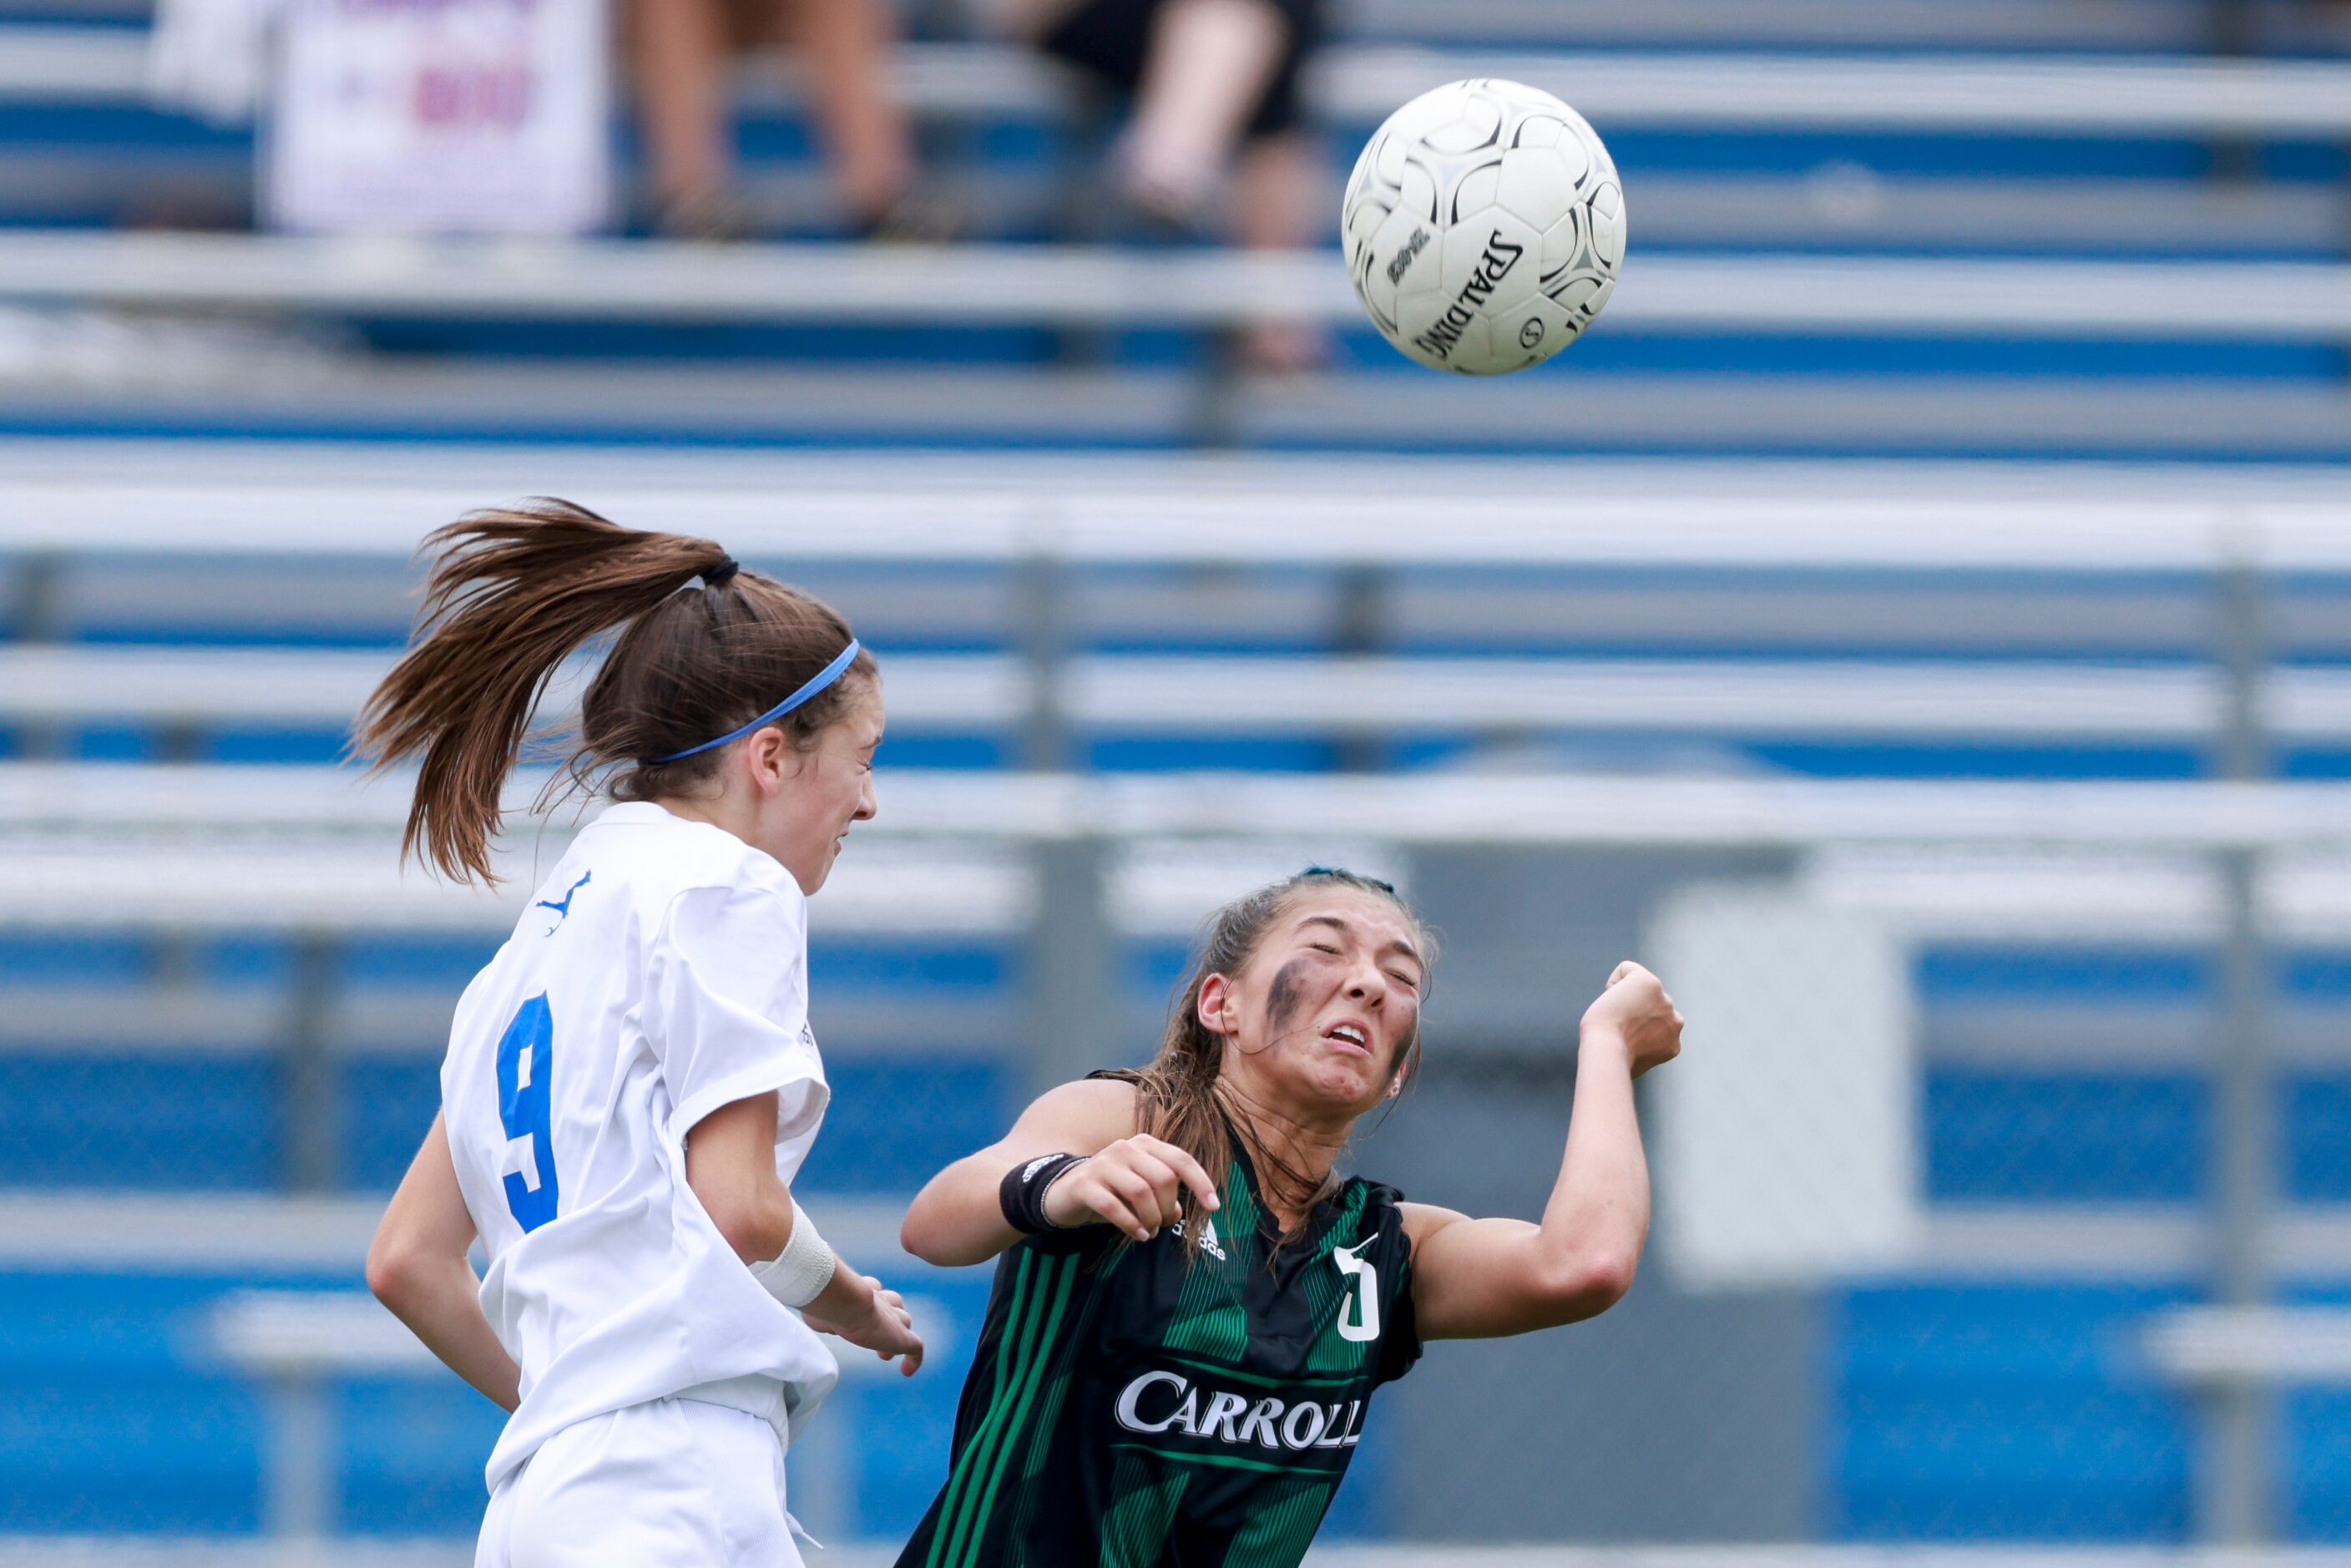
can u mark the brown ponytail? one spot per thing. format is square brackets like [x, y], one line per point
[1178, 1097]
[514, 592]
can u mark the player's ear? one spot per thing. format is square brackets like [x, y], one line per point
[771, 758]
[1217, 1010]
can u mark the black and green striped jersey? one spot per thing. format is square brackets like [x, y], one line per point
[1131, 1405]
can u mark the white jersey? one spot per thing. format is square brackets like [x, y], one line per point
[660, 973]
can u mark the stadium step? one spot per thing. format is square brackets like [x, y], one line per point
[1552, 413]
[2007, 25]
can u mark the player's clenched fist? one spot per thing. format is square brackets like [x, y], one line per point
[1634, 1008]
[1136, 1184]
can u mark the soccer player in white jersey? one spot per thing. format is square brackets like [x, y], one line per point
[631, 1084]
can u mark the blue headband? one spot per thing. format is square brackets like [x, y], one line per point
[816, 684]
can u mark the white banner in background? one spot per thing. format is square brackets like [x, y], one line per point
[441, 117]
[1787, 1135]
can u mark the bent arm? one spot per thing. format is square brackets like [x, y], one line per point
[1478, 1279]
[417, 1266]
[730, 1163]
[956, 1218]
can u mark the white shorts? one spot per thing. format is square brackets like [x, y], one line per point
[673, 1484]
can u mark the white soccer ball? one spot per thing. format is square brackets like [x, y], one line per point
[1484, 227]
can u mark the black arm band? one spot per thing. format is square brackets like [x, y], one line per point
[1022, 1192]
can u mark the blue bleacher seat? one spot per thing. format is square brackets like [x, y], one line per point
[2003, 1413]
[113, 1421]
[155, 1122]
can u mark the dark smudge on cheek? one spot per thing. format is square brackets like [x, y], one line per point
[1284, 997]
[1403, 1049]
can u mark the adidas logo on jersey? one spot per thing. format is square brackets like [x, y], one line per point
[1160, 1402]
[1209, 1242]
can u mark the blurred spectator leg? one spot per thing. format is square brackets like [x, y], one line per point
[845, 48]
[1277, 205]
[2236, 27]
[2236, 33]
[1218, 72]
[679, 49]
[1209, 65]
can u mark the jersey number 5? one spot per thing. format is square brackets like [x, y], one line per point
[526, 1073]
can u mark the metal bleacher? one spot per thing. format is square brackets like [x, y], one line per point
[1876, 688]
[1841, 245]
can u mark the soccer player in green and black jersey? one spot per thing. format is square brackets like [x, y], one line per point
[1176, 1368]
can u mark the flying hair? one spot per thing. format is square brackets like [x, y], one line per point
[1180, 1097]
[514, 591]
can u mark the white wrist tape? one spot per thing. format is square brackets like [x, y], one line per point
[804, 1269]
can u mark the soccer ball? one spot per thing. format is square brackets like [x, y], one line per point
[1484, 227]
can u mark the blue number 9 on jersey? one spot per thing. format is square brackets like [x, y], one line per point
[524, 1107]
